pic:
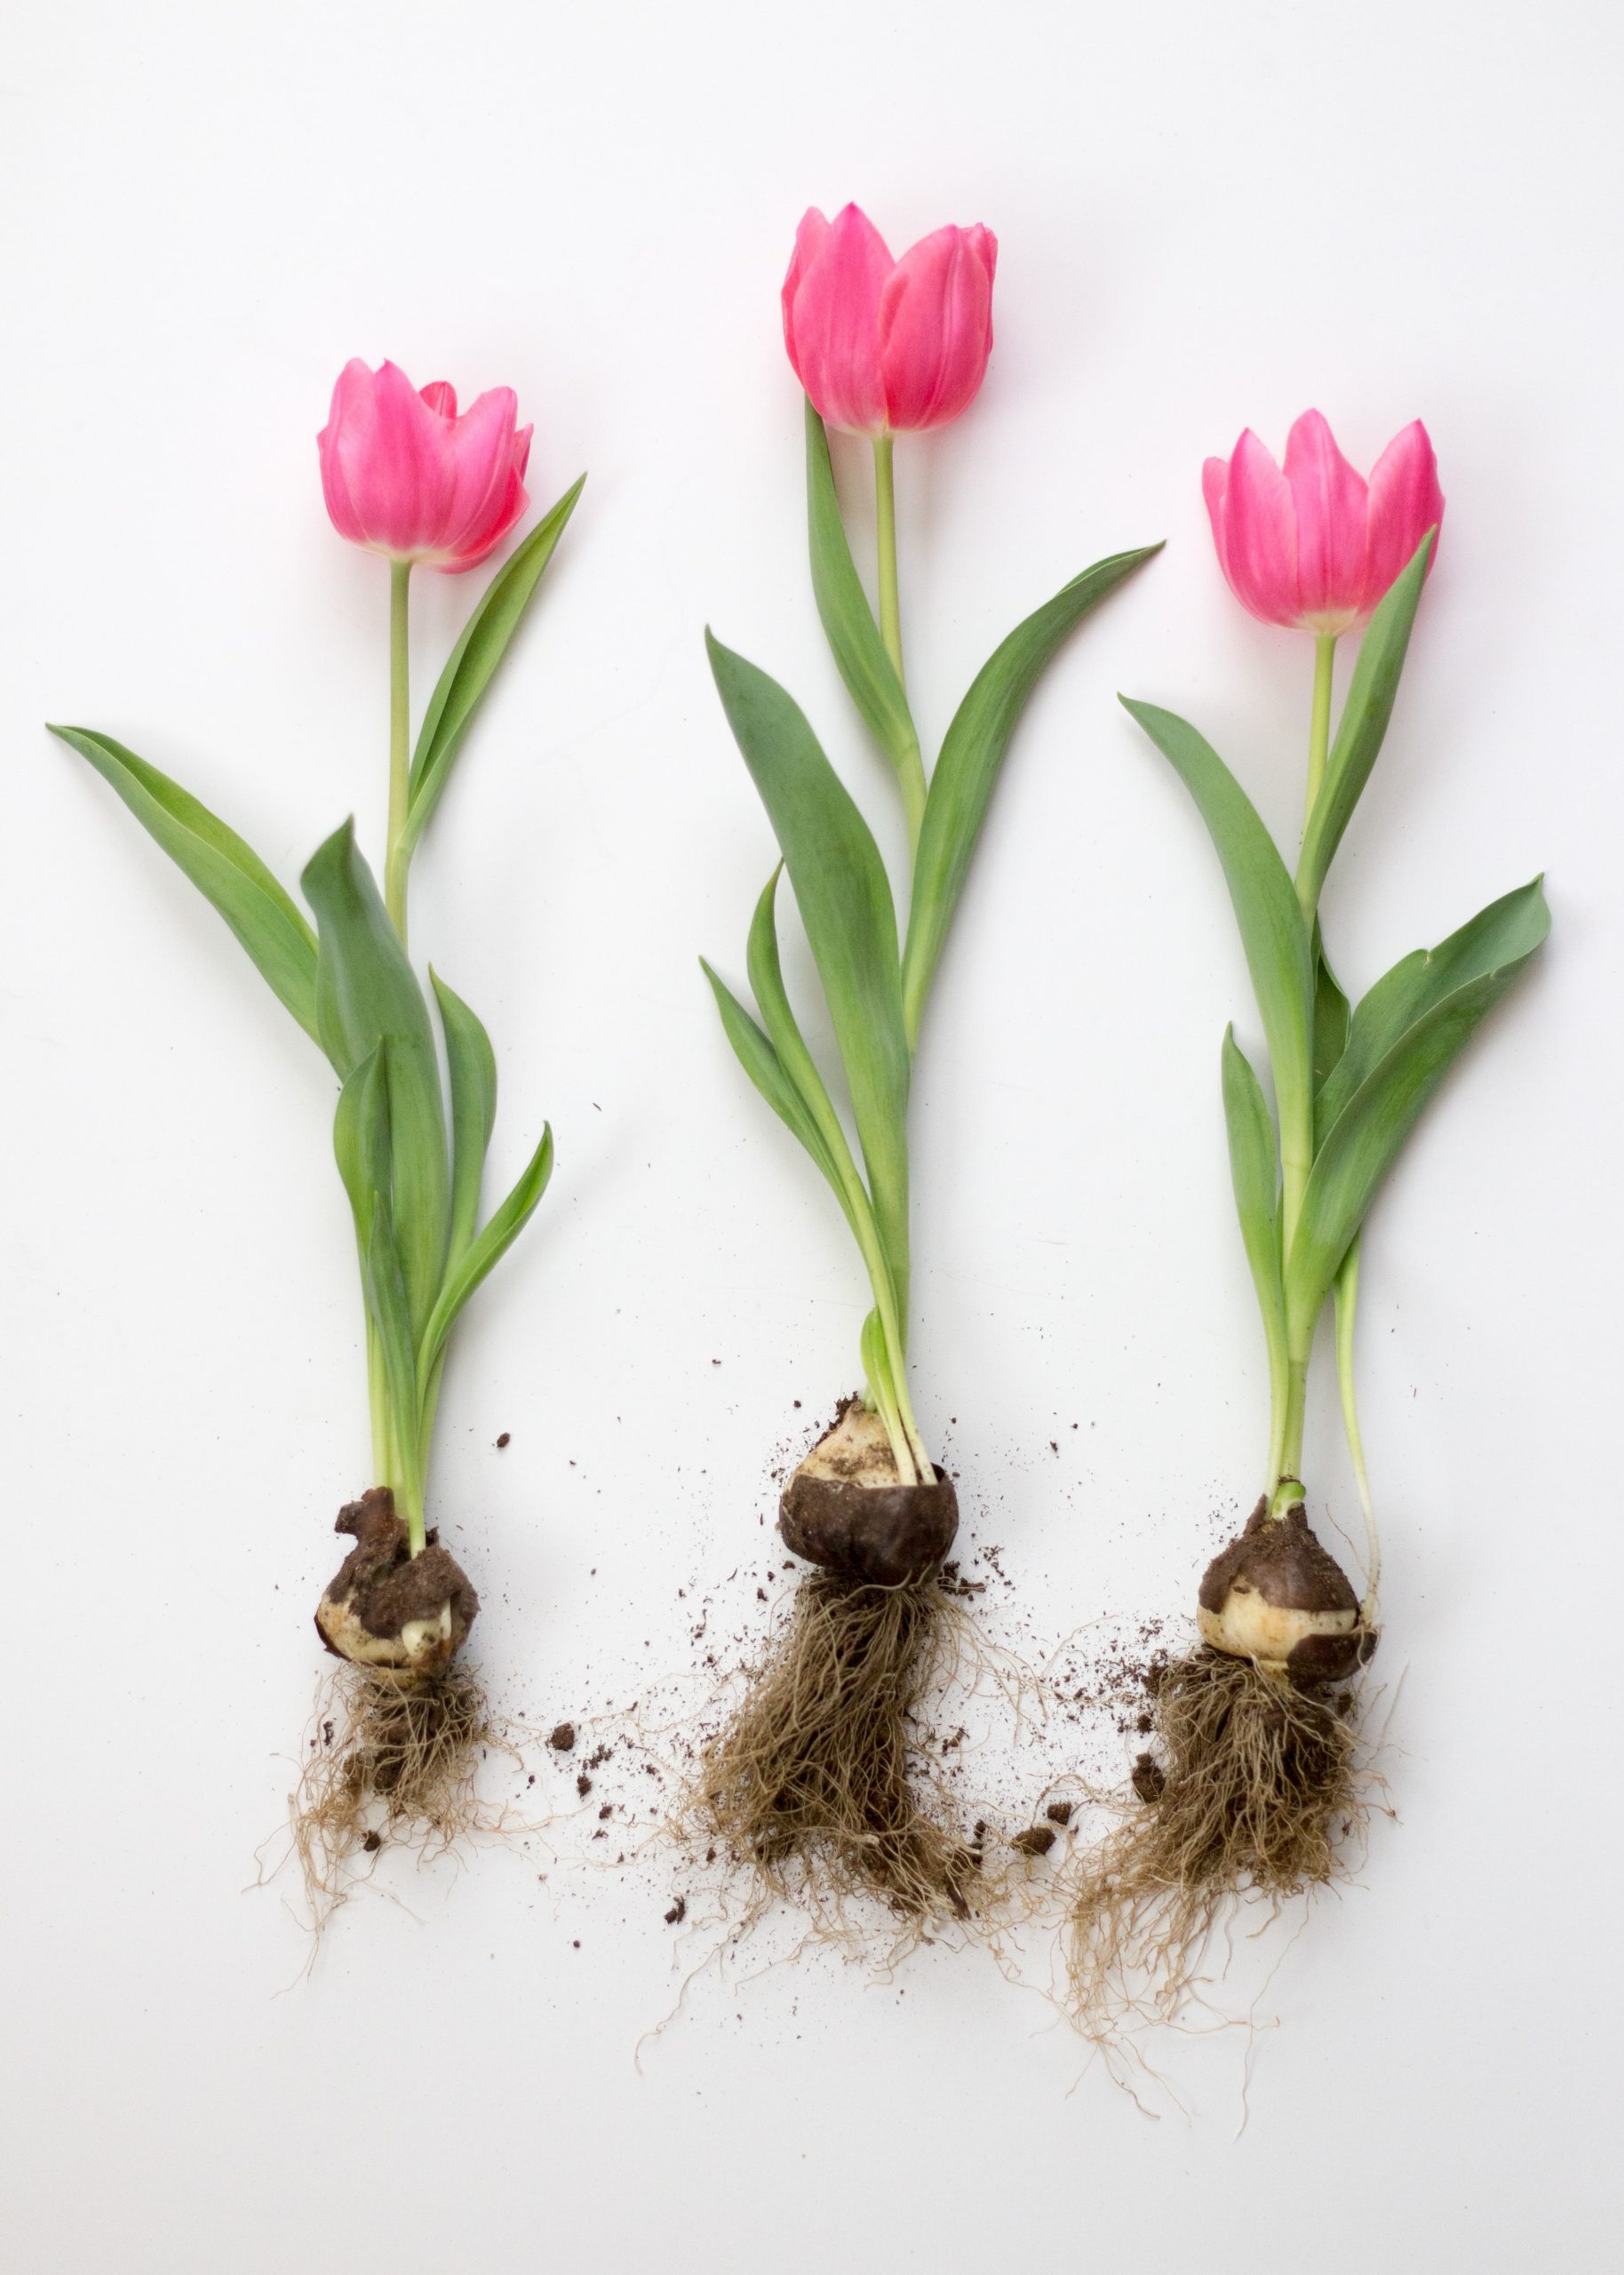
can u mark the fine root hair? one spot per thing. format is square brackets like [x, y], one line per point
[392, 1762]
[1255, 1787]
[816, 1783]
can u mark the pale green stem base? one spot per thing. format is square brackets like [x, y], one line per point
[1346, 1306]
[400, 1441]
[1284, 1472]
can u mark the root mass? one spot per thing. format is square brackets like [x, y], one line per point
[1253, 1787]
[809, 1783]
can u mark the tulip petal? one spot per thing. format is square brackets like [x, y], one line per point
[831, 317]
[404, 475]
[393, 448]
[1216, 492]
[1405, 501]
[1258, 552]
[1328, 497]
[936, 327]
[480, 465]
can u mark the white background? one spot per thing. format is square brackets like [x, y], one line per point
[1210, 216]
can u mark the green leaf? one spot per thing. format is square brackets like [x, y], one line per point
[766, 978]
[224, 870]
[1504, 933]
[360, 1139]
[367, 993]
[847, 619]
[474, 658]
[1331, 1017]
[388, 1306]
[844, 902]
[1254, 1171]
[1364, 722]
[485, 1253]
[1365, 1136]
[1279, 955]
[789, 1046]
[972, 753]
[759, 1059]
[473, 1066]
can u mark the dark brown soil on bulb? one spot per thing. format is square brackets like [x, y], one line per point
[817, 1783]
[886, 1535]
[395, 1748]
[393, 1762]
[384, 1587]
[1253, 1786]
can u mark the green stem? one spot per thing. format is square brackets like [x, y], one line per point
[398, 856]
[377, 1404]
[1319, 746]
[1297, 1114]
[1347, 1286]
[1286, 1459]
[910, 763]
[885, 513]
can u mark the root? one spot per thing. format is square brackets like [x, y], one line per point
[809, 1786]
[1254, 1789]
[392, 1761]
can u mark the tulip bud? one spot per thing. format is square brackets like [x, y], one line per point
[1315, 546]
[885, 346]
[403, 476]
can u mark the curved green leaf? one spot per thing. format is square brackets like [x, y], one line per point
[973, 750]
[388, 1306]
[1503, 933]
[766, 978]
[845, 901]
[360, 1139]
[474, 658]
[1276, 940]
[471, 1064]
[1331, 1017]
[1254, 1171]
[759, 1059]
[1363, 725]
[366, 992]
[484, 1255]
[847, 619]
[1364, 1139]
[227, 871]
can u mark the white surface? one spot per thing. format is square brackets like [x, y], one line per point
[1209, 216]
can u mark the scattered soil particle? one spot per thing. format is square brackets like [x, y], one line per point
[582, 1785]
[1036, 1841]
[506, 1439]
[372, 1843]
[1060, 1812]
[678, 1912]
[563, 1739]
[1150, 1778]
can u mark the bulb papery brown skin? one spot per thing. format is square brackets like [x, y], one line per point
[387, 1609]
[846, 1509]
[1277, 1596]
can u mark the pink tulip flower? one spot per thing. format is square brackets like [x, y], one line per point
[1316, 545]
[887, 347]
[404, 475]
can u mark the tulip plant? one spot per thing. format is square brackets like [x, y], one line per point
[1253, 1782]
[405, 476]
[813, 1769]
